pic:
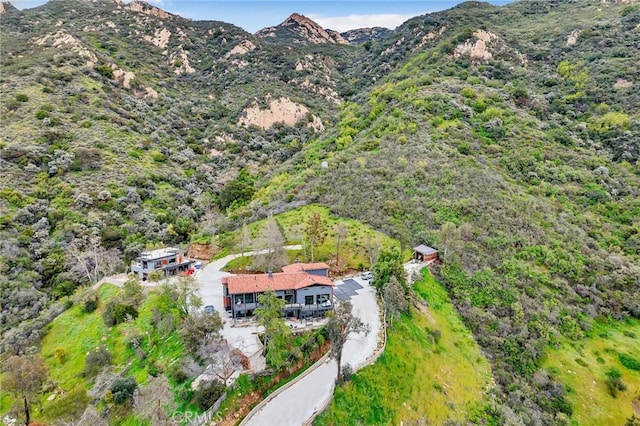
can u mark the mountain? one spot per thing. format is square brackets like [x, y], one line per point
[6, 7]
[505, 136]
[362, 35]
[300, 29]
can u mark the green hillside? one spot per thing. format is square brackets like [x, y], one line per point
[507, 137]
[431, 372]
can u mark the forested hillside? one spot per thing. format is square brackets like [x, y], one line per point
[508, 137]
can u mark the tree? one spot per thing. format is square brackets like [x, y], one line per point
[222, 359]
[207, 394]
[186, 294]
[450, 238]
[151, 400]
[155, 276]
[133, 290]
[372, 247]
[95, 360]
[395, 300]
[277, 336]
[89, 259]
[245, 238]
[200, 329]
[237, 192]
[123, 389]
[341, 323]
[389, 264]
[341, 232]
[273, 256]
[24, 377]
[315, 231]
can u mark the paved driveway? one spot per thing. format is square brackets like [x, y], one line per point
[242, 337]
[298, 403]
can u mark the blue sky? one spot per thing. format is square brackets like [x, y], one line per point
[253, 15]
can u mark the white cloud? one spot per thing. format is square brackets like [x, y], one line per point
[351, 22]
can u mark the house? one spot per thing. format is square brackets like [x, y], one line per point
[317, 268]
[424, 253]
[305, 288]
[169, 260]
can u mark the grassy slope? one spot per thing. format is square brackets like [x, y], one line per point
[416, 379]
[581, 367]
[78, 333]
[353, 249]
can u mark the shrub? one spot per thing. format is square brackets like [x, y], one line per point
[206, 395]
[42, 114]
[178, 374]
[155, 276]
[614, 382]
[64, 288]
[90, 302]
[104, 70]
[347, 372]
[60, 354]
[122, 390]
[629, 362]
[117, 312]
[468, 92]
[95, 360]
[21, 97]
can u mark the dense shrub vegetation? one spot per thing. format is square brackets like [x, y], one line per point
[520, 164]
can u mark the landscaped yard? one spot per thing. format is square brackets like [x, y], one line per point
[432, 370]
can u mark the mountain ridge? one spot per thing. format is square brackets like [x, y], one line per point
[504, 135]
[298, 28]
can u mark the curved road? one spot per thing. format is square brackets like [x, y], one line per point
[299, 402]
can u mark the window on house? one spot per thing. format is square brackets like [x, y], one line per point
[321, 298]
[172, 260]
[248, 298]
[308, 300]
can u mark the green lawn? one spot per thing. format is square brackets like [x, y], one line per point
[417, 379]
[581, 366]
[353, 251]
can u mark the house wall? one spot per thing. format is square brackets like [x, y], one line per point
[312, 291]
[320, 272]
[432, 256]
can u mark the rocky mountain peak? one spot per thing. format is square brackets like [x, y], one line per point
[298, 28]
[5, 7]
[147, 9]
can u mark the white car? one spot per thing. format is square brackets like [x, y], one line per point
[367, 276]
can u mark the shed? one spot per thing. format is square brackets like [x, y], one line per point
[424, 253]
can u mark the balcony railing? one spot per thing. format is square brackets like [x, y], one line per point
[289, 306]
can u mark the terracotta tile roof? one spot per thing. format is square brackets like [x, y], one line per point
[303, 267]
[240, 284]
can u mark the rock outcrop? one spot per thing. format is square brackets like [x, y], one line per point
[300, 29]
[281, 110]
[362, 35]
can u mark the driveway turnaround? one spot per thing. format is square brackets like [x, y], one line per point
[303, 399]
[245, 337]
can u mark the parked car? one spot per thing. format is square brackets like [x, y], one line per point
[367, 276]
[209, 309]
